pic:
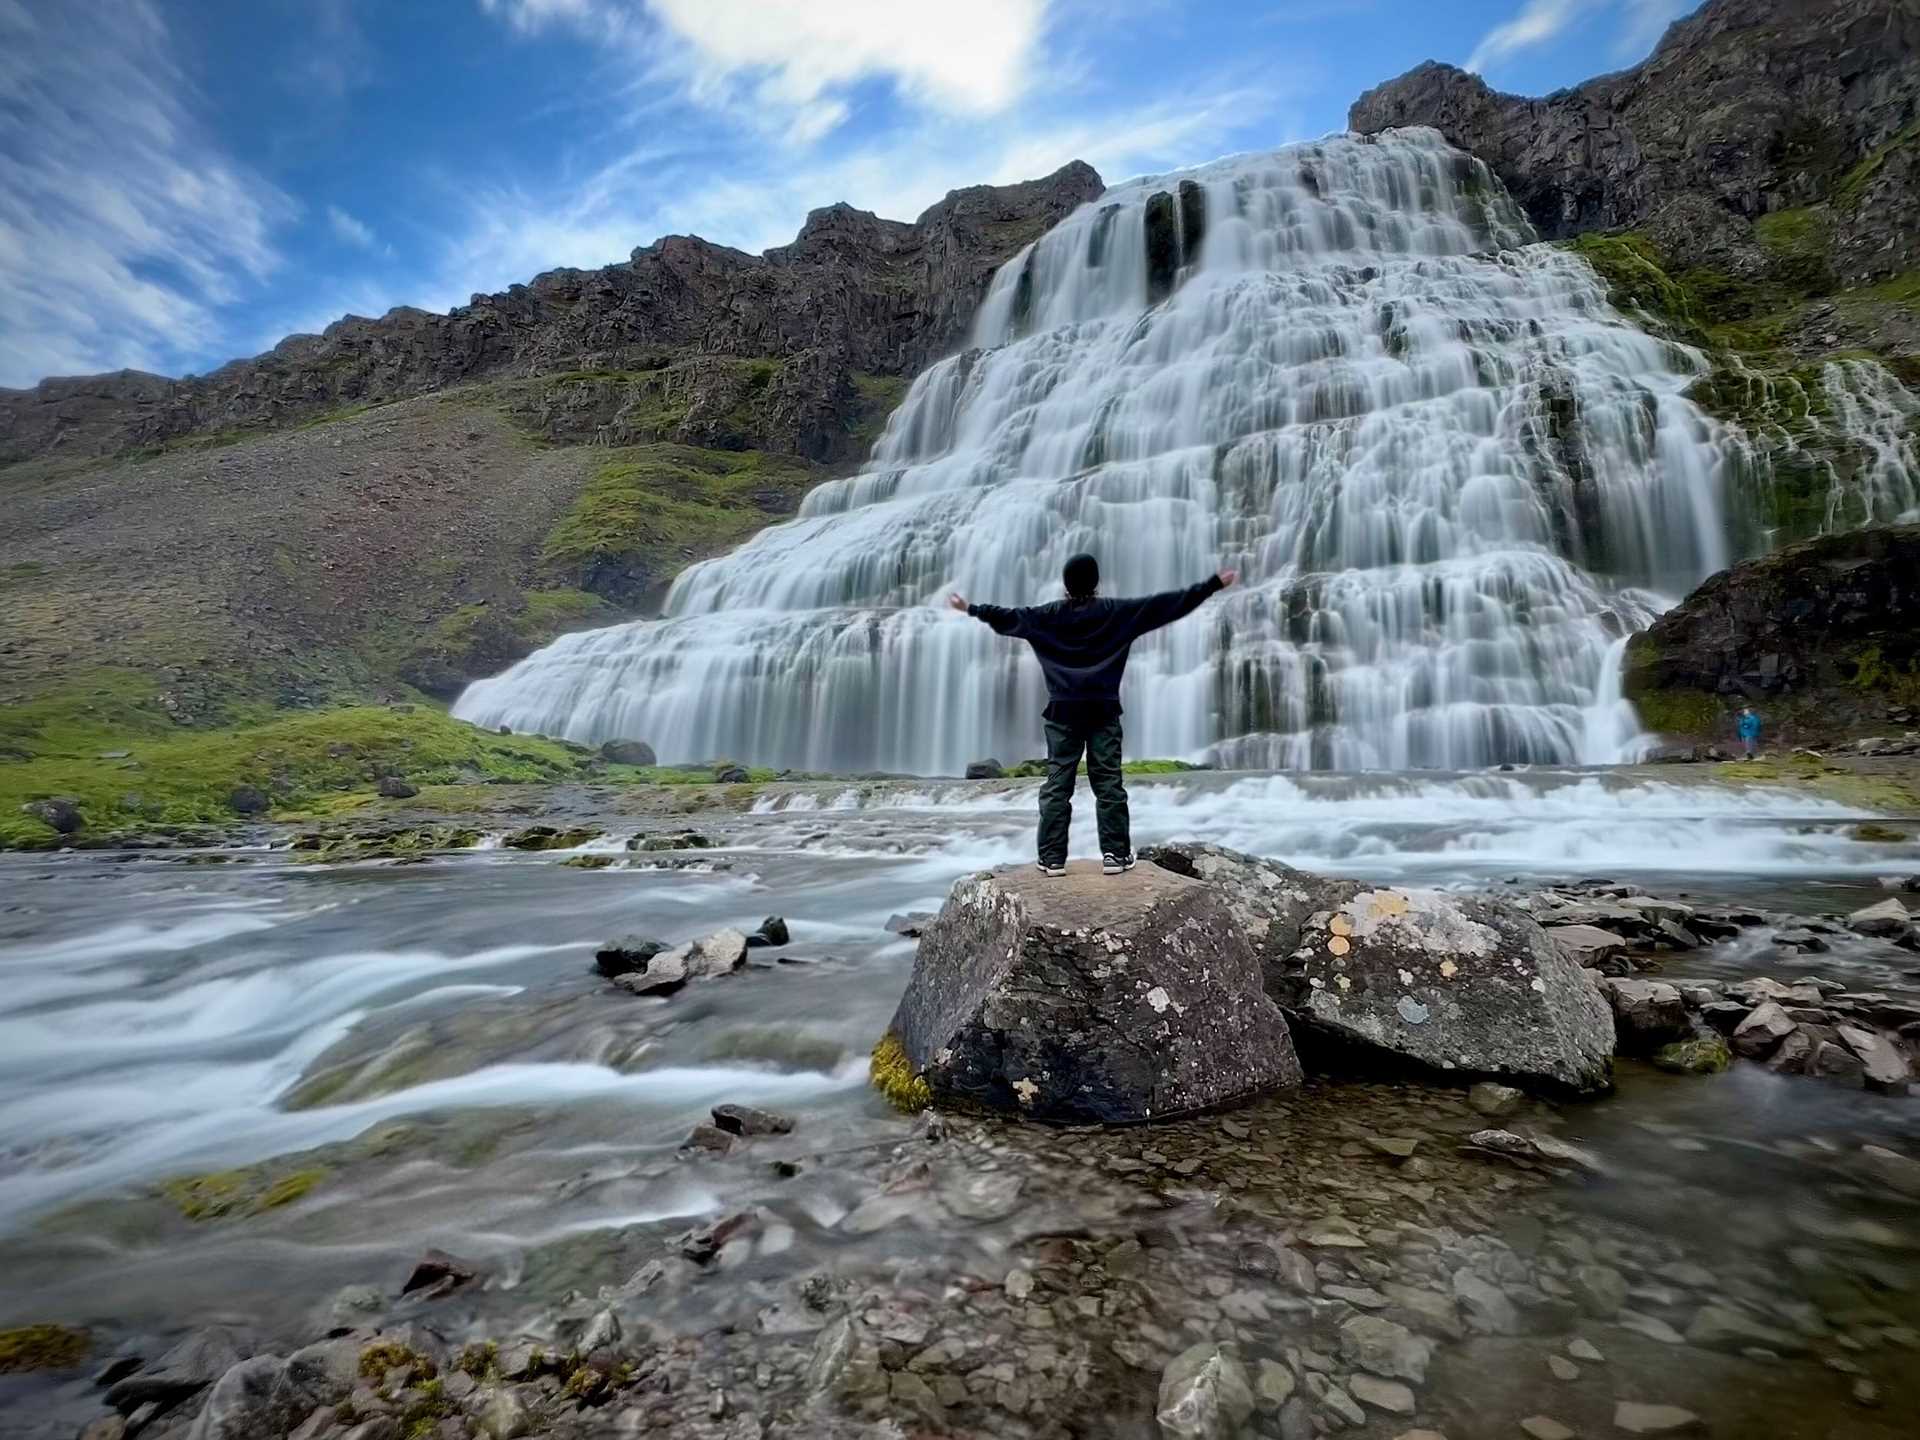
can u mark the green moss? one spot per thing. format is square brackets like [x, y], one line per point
[1684, 714]
[893, 1075]
[1704, 1055]
[384, 1355]
[232, 1194]
[1874, 672]
[1630, 266]
[1873, 833]
[654, 507]
[422, 1416]
[1852, 186]
[1798, 242]
[42, 1347]
[879, 396]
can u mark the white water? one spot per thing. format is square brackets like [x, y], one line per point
[1452, 476]
[1869, 407]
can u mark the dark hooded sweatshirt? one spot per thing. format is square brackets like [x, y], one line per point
[1083, 645]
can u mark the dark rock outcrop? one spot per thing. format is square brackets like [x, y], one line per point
[1823, 636]
[852, 294]
[1758, 105]
[1089, 998]
[628, 752]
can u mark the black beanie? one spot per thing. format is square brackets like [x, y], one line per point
[1082, 576]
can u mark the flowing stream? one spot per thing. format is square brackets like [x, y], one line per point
[1453, 477]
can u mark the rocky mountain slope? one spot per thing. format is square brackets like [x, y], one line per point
[1754, 106]
[852, 295]
[415, 500]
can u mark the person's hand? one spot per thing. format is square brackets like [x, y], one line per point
[957, 602]
[1229, 578]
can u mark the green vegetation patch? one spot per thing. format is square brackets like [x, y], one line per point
[1037, 769]
[1852, 186]
[300, 762]
[653, 508]
[879, 397]
[42, 1347]
[895, 1078]
[234, 1194]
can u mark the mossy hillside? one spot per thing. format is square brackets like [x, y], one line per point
[484, 639]
[651, 509]
[67, 746]
[1749, 328]
[879, 396]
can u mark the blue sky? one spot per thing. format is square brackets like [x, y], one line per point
[186, 181]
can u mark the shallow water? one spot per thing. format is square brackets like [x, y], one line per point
[439, 1027]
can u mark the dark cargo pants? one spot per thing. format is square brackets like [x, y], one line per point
[1101, 741]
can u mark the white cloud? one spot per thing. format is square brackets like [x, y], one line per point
[349, 230]
[122, 231]
[794, 62]
[1538, 22]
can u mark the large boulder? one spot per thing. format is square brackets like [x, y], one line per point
[628, 752]
[1090, 998]
[1467, 986]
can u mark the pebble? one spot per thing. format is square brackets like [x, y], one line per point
[1563, 1368]
[1638, 1419]
[1545, 1427]
[1581, 1348]
[1866, 1393]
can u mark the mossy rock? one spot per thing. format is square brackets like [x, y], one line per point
[893, 1075]
[234, 1194]
[1703, 1055]
[42, 1347]
[1873, 833]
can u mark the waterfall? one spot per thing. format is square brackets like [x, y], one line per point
[1452, 477]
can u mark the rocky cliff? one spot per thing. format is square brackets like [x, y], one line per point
[1757, 106]
[852, 296]
[1823, 637]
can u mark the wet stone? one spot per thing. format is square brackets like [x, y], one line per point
[1545, 1427]
[1388, 1395]
[1638, 1419]
[1563, 1368]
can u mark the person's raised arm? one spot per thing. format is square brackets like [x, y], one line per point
[1150, 612]
[1006, 620]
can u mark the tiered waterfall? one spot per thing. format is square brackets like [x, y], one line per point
[1451, 474]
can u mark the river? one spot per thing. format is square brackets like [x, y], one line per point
[434, 1032]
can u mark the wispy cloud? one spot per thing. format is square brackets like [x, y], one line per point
[349, 230]
[123, 230]
[1538, 23]
[797, 64]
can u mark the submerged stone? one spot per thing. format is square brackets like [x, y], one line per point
[1090, 998]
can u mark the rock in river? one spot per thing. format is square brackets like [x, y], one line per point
[1090, 998]
[1456, 984]
[1472, 987]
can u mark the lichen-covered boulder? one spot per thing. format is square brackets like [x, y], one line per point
[1469, 986]
[1089, 998]
[1453, 983]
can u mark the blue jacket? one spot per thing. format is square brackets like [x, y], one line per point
[1749, 727]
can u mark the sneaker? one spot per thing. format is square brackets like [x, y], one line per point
[1115, 864]
[1049, 869]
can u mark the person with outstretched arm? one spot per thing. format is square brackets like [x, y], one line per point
[1082, 643]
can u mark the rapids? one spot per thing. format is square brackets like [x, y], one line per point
[1452, 475]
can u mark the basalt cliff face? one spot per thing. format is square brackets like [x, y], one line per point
[854, 296]
[1757, 106]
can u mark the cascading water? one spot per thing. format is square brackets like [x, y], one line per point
[1451, 474]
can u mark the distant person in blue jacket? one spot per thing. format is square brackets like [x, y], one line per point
[1750, 731]
[1082, 643]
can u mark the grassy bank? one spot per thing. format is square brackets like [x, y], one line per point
[112, 748]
